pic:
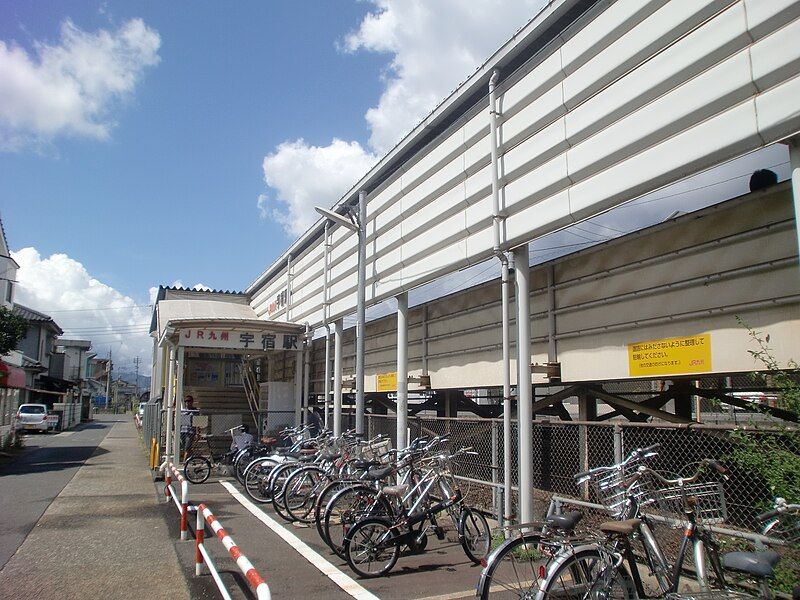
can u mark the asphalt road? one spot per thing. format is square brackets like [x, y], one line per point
[33, 478]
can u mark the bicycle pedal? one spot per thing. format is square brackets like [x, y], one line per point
[439, 531]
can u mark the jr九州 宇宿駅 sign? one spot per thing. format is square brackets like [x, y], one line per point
[238, 339]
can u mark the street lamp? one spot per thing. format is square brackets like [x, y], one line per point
[357, 223]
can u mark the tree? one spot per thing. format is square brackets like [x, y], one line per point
[12, 329]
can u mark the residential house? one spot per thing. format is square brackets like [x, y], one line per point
[12, 376]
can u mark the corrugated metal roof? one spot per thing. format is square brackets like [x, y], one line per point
[184, 310]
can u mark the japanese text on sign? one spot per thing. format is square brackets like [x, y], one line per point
[387, 382]
[246, 340]
[670, 356]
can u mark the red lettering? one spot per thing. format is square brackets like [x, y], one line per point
[212, 335]
[223, 336]
[188, 333]
[200, 334]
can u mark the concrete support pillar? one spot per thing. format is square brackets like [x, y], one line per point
[298, 388]
[524, 383]
[402, 371]
[176, 454]
[337, 378]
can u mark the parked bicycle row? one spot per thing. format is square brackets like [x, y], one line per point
[369, 503]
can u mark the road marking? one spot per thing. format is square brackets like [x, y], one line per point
[344, 581]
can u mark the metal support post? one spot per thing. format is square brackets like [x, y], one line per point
[176, 454]
[506, 293]
[524, 383]
[362, 320]
[307, 373]
[298, 388]
[337, 378]
[794, 162]
[402, 371]
[495, 473]
[327, 387]
[169, 400]
[617, 443]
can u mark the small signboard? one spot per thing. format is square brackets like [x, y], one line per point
[670, 356]
[387, 382]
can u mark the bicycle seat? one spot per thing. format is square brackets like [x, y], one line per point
[565, 522]
[758, 564]
[395, 490]
[363, 465]
[375, 474]
[329, 456]
[620, 527]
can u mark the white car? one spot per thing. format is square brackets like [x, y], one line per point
[32, 417]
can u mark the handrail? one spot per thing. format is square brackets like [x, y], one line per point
[204, 515]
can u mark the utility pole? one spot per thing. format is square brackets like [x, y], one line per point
[108, 379]
[136, 362]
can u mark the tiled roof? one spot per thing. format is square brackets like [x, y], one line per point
[34, 316]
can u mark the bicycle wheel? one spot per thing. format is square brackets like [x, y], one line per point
[301, 491]
[321, 503]
[369, 548]
[277, 487]
[256, 479]
[474, 534]
[514, 570]
[197, 469]
[347, 508]
[241, 462]
[588, 574]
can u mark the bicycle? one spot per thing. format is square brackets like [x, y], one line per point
[519, 565]
[599, 570]
[197, 468]
[377, 540]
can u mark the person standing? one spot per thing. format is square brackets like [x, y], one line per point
[187, 430]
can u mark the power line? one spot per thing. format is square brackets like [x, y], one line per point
[61, 310]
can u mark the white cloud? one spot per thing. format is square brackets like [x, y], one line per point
[71, 87]
[304, 176]
[84, 307]
[433, 46]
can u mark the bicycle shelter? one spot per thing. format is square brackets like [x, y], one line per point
[211, 345]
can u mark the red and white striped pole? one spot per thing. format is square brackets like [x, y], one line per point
[184, 501]
[199, 536]
[245, 566]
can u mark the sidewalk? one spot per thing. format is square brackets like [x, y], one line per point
[104, 536]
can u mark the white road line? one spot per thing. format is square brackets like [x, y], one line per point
[344, 581]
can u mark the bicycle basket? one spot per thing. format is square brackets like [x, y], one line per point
[708, 499]
[610, 487]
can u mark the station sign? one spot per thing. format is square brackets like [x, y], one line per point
[229, 339]
[670, 356]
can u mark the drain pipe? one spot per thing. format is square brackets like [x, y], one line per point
[497, 217]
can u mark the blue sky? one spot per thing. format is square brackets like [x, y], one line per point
[172, 194]
[147, 143]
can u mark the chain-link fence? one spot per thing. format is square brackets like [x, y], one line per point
[563, 448]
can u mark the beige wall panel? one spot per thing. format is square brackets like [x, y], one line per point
[605, 356]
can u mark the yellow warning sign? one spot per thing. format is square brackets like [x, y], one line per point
[387, 382]
[670, 356]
